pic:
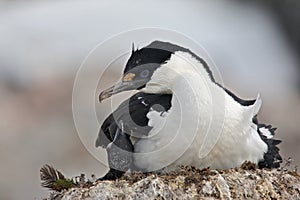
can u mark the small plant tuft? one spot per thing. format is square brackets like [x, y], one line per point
[53, 179]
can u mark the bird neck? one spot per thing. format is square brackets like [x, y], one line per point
[180, 65]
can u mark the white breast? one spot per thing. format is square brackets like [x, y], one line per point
[205, 127]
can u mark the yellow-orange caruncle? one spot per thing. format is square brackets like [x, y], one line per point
[128, 77]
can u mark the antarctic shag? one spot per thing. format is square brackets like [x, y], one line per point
[181, 116]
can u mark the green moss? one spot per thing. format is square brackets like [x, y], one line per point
[63, 184]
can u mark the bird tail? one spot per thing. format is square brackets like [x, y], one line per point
[272, 158]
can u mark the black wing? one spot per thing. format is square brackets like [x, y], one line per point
[133, 114]
[129, 119]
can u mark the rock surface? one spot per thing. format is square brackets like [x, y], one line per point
[189, 183]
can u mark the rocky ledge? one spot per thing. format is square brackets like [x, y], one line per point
[246, 182]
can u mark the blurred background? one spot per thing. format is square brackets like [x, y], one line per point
[255, 44]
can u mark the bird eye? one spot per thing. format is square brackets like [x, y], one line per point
[145, 73]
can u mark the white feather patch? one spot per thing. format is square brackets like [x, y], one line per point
[266, 132]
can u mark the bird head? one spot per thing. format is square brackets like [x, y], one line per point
[138, 70]
[152, 70]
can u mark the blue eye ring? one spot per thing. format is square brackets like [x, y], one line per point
[145, 73]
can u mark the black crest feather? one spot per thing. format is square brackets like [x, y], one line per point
[132, 50]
